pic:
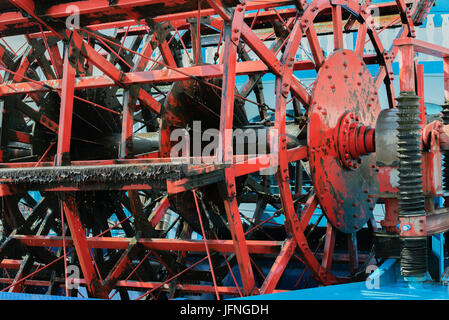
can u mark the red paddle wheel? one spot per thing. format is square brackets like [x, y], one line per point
[105, 180]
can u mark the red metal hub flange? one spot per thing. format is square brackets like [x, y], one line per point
[340, 140]
[354, 140]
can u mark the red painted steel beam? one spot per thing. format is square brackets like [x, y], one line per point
[37, 116]
[10, 263]
[134, 9]
[77, 41]
[19, 136]
[106, 8]
[446, 78]
[231, 36]
[145, 77]
[15, 23]
[254, 164]
[66, 112]
[29, 7]
[27, 59]
[407, 68]
[315, 47]
[361, 39]
[167, 54]
[220, 8]
[159, 211]
[278, 267]
[307, 211]
[57, 62]
[182, 185]
[6, 189]
[420, 93]
[337, 27]
[406, 17]
[120, 266]
[126, 137]
[38, 283]
[437, 222]
[192, 288]
[117, 15]
[23, 25]
[423, 47]
[153, 76]
[225, 246]
[329, 245]
[261, 162]
[81, 246]
[259, 48]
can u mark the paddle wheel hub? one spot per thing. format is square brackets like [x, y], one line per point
[341, 140]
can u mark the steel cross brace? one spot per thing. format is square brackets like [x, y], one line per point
[81, 246]
[231, 37]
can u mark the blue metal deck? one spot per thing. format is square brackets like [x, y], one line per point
[385, 283]
[28, 296]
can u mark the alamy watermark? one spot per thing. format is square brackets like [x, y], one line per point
[373, 279]
[73, 277]
[73, 20]
[197, 146]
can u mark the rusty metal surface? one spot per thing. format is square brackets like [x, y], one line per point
[343, 84]
[131, 173]
[55, 12]
[99, 117]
